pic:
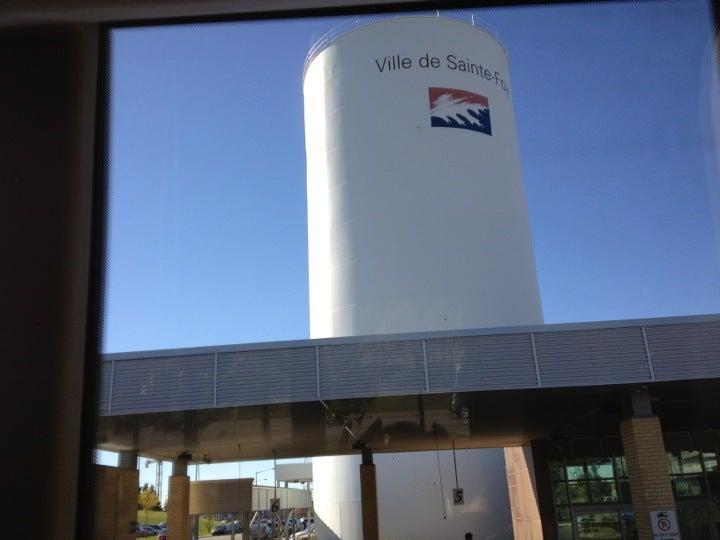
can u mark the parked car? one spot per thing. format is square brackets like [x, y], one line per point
[226, 528]
[221, 529]
[162, 536]
[304, 523]
[145, 530]
[263, 526]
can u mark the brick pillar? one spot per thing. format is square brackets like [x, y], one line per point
[647, 469]
[530, 491]
[178, 517]
[115, 502]
[368, 497]
[128, 482]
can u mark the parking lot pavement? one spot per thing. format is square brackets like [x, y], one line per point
[238, 536]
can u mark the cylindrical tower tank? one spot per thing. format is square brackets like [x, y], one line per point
[417, 221]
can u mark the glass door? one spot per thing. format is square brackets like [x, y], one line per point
[604, 523]
[694, 519]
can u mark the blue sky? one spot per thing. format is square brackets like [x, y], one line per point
[207, 168]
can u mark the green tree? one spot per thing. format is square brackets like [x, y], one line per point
[148, 500]
[140, 490]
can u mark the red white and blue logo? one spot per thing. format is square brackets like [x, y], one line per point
[453, 108]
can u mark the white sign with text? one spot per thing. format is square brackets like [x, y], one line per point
[665, 525]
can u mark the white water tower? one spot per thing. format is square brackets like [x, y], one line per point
[417, 221]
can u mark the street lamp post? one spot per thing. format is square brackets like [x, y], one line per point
[260, 531]
[264, 470]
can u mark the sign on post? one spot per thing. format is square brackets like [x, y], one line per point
[274, 505]
[458, 496]
[664, 525]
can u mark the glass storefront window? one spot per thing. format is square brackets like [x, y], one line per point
[579, 482]
[599, 525]
[604, 481]
[602, 491]
[713, 480]
[688, 486]
[627, 521]
[560, 493]
[710, 461]
[578, 492]
[620, 466]
[690, 462]
[693, 520]
[557, 470]
[565, 531]
[684, 462]
[624, 490]
[575, 469]
[564, 520]
[600, 468]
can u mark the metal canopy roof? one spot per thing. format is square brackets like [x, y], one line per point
[479, 388]
[548, 356]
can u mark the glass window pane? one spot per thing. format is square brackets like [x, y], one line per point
[602, 491]
[713, 480]
[557, 470]
[624, 491]
[564, 523]
[563, 514]
[575, 469]
[578, 492]
[600, 468]
[710, 460]
[591, 478]
[674, 463]
[560, 493]
[564, 520]
[688, 486]
[599, 525]
[690, 462]
[694, 521]
[565, 531]
[620, 466]
[627, 520]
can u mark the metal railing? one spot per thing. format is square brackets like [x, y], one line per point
[347, 26]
